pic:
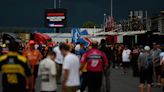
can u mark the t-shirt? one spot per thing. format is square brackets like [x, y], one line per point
[145, 60]
[95, 59]
[135, 54]
[72, 64]
[59, 57]
[47, 72]
[156, 56]
[15, 69]
[80, 53]
[126, 55]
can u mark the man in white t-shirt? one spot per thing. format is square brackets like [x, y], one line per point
[71, 66]
[126, 59]
[47, 73]
[59, 61]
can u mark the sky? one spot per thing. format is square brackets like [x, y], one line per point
[30, 13]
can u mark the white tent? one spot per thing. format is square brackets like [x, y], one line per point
[121, 33]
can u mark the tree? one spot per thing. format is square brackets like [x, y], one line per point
[89, 24]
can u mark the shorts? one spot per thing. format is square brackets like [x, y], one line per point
[158, 70]
[94, 79]
[69, 89]
[146, 76]
[59, 71]
[126, 64]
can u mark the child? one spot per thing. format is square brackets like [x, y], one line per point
[47, 73]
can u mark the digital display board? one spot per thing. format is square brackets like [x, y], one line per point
[55, 18]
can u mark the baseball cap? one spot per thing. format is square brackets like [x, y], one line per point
[31, 42]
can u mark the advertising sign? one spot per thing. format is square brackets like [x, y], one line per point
[55, 18]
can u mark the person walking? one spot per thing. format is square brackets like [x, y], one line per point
[47, 73]
[145, 64]
[106, 50]
[71, 67]
[59, 63]
[119, 56]
[83, 72]
[81, 50]
[112, 56]
[126, 56]
[15, 71]
[157, 68]
[135, 55]
[97, 62]
[33, 56]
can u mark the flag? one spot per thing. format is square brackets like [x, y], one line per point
[75, 35]
[84, 32]
[86, 41]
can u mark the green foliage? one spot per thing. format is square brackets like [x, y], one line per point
[89, 24]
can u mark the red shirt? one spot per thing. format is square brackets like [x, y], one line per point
[96, 60]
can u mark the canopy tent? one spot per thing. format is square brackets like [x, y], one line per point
[121, 33]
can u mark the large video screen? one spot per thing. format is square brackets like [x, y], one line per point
[55, 18]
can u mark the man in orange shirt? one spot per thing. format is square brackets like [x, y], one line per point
[33, 56]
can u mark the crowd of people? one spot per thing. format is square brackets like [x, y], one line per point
[79, 67]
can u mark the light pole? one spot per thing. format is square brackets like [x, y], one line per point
[54, 4]
[111, 7]
[59, 3]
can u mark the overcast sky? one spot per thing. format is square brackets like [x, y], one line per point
[30, 13]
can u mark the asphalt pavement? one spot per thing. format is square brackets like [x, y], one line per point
[119, 83]
[125, 83]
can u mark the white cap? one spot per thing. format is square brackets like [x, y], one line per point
[77, 48]
[146, 48]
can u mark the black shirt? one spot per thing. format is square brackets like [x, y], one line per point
[15, 69]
